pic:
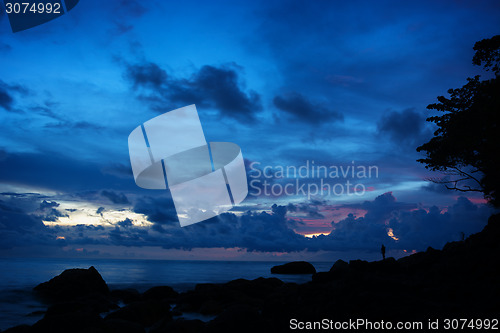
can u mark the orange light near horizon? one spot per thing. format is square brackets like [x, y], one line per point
[390, 233]
[316, 234]
[478, 201]
[60, 237]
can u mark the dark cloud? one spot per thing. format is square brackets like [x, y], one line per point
[46, 111]
[21, 195]
[48, 205]
[377, 61]
[79, 125]
[311, 209]
[299, 107]
[437, 188]
[354, 232]
[129, 8]
[6, 99]
[118, 170]
[116, 198]
[58, 172]
[211, 86]
[120, 28]
[18, 228]
[16, 219]
[160, 210]
[420, 228]
[122, 14]
[412, 227]
[397, 225]
[48, 211]
[274, 232]
[125, 223]
[6, 95]
[86, 125]
[148, 75]
[405, 127]
[381, 207]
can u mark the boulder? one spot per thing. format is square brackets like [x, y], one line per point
[77, 322]
[295, 267]
[237, 318]
[122, 326]
[145, 313]
[179, 326]
[322, 277]
[73, 283]
[340, 266]
[388, 265]
[127, 296]
[160, 293]
[65, 308]
[358, 265]
[19, 329]
[89, 304]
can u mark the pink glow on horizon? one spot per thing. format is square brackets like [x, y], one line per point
[478, 201]
[323, 226]
[316, 234]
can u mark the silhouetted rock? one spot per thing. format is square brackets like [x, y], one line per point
[339, 269]
[145, 313]
[19, 329]
[179, 326]
[160, 293]
[388, 265]
[339, 266]
[78, 322]
[64, 308]
[121, 326]
[237, 318]
[73, 283]
[294, 267]
[358, 266]
[321, 277]
[127, 296]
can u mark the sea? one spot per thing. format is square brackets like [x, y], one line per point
[18, 276]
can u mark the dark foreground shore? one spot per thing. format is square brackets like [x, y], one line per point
[461, 281]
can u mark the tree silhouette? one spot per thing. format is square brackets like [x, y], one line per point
[466, 145]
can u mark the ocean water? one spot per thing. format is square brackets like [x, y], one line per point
[18, 277]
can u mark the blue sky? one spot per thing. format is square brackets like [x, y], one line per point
[332, 82]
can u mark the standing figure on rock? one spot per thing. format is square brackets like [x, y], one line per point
[382, 249]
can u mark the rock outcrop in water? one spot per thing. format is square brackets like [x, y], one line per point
[73, 283]
[460, 281]
[295, 267]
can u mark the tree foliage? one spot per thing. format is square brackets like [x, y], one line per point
[466, 145]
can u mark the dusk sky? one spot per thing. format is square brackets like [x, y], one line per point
[342, 85]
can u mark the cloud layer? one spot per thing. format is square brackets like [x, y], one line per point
[216, 87]
[400, 226]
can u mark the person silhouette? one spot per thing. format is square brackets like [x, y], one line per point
[382, 249]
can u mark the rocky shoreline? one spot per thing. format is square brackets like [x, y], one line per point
[460, 281]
